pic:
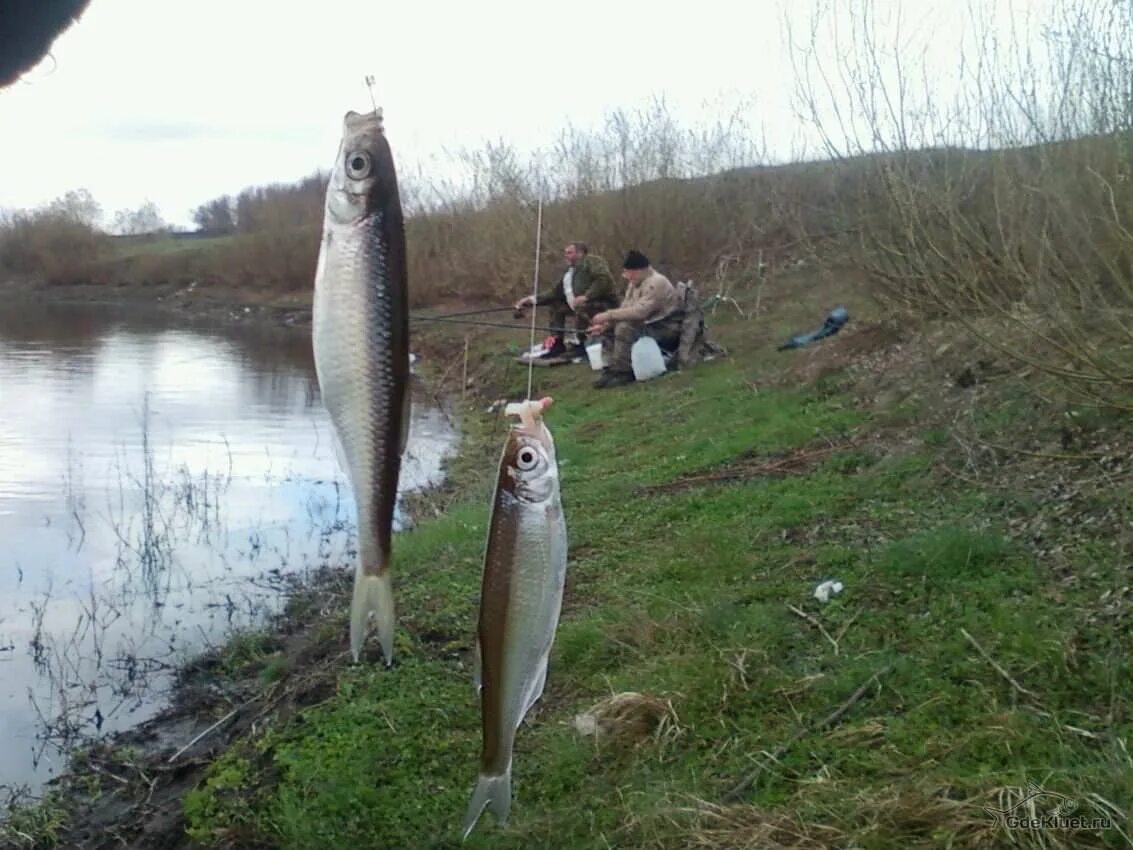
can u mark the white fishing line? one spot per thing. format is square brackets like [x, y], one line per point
[534, 295]
[370, 86]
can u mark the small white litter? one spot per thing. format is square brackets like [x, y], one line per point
[828, 588]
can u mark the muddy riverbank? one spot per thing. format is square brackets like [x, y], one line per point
[128, 791]
[199, 302]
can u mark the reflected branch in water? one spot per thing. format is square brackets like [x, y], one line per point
[190, 507]
[74, 499]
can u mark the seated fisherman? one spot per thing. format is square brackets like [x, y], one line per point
[585, 287]
[651, 307]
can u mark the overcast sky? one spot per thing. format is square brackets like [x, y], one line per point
[178, 102]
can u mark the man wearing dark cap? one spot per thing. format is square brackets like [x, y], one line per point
[585, 288]
[650, 307]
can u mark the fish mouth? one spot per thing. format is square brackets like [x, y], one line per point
[373, 119]
[530, 412]
[531, 425]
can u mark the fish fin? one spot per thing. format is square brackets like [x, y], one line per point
[406, 418]
[372, 595]
[340, 455]
[492, 793]
[477, 668]
[534, 692]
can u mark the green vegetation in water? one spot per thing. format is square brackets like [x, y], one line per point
[37, 824]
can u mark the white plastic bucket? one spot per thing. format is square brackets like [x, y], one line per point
[646, 359]
[594, 352]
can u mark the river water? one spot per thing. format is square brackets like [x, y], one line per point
[161, 482]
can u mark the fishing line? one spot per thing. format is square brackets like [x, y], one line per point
[370, 87]
[534, 296]
[486, 324]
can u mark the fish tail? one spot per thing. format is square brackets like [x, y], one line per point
[373, 594]
[492, 793]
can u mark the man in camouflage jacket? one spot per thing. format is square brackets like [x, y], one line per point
[584, 289]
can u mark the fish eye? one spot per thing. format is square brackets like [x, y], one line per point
[526, 459]
[358, 165]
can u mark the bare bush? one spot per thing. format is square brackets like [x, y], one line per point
[56, 244]
[689, 197]
[697, 199]
[216, 217]
[282, 207]
[146, 220]
[1004, 202]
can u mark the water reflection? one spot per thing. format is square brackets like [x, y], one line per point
[160, 482]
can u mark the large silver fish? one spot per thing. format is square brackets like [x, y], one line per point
[361, 344]
[520, 600]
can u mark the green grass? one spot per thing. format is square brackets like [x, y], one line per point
[34, 826]
[167, 246]
[246, 649]
[687, 595]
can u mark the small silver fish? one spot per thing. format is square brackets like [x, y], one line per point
[361, 343]
[520, 600]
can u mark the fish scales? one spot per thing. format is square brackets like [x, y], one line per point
[361, 346]
[521, 600]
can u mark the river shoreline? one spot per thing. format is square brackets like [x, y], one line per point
[196, 302]
[237, 307]
[695, 551]
[127, 789]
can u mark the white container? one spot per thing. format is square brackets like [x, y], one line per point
[646, 359]
[594, 352]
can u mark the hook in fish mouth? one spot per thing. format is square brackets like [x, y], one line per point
[531, 425]
[530, 412]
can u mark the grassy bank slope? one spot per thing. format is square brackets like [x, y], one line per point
[981, 642]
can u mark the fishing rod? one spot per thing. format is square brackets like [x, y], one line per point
[467, 313]
[491, 324]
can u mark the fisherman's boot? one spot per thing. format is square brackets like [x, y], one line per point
[613, 378]
[620, 370]
[579, 347]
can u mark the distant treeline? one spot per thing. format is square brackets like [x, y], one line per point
[1005, 205]
[280, 206]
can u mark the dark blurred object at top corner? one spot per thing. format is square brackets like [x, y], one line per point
[28, 28]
